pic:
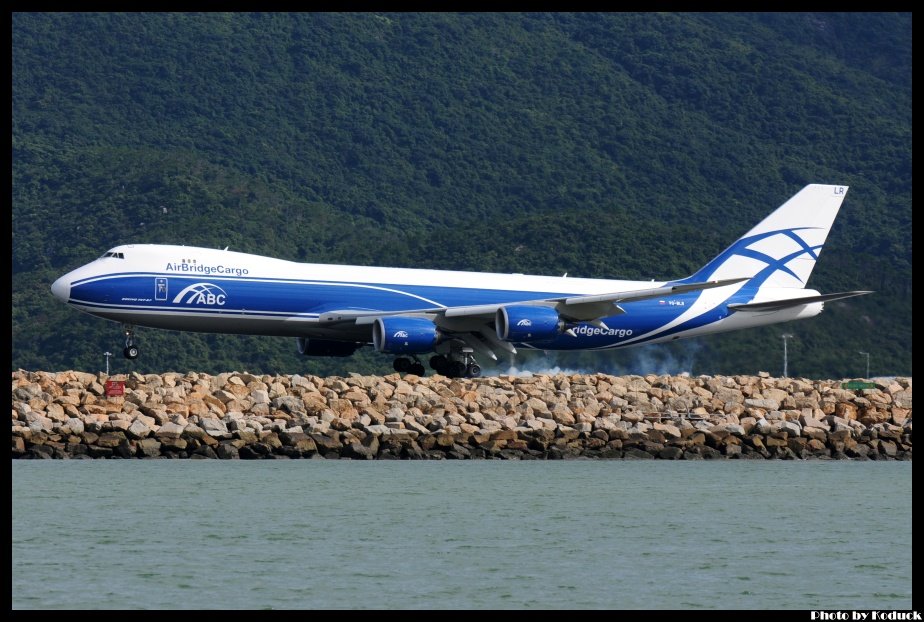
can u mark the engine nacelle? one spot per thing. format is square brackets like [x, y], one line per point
[324, 347]
[404, 335]
[525, 324]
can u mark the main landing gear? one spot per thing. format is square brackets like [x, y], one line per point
[131, 350]
[407, 366]
[459, 364]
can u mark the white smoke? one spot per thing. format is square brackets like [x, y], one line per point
[662, 359]
[542, 370]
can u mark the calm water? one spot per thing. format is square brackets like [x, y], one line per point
[483, 534]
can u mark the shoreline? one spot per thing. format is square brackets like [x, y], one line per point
[237, 415]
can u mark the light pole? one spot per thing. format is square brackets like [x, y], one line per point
[107, 355]
[786, 336]
[866, 354]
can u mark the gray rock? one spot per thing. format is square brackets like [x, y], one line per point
[204, 451]
[253, 452]
[110, 439]
[76, 425]
[227, 451]
[734, 428]
[791, 427]
[215, 428]
[888, 448]
[634, 453]
[732, 451]
[247, 436]
[170, 429]
[177, 446]
[298, 440]
[149, 448]
[237, 424]
[808, 421]
[379, 429]
[95, 451]
[138, 430]
[40, 452]
[766, 404]
[671, 453]
[289, 404]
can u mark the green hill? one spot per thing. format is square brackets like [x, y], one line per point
[602, 145]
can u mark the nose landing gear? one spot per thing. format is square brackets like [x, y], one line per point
[131, 349]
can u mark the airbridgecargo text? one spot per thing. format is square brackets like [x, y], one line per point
[865, 615]
[593, 331]
[203, 269]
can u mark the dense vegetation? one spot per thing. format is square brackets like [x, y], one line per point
[602, 145]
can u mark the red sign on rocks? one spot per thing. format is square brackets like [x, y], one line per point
[115, 388]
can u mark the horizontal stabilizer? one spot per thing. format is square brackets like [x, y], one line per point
[777, 305]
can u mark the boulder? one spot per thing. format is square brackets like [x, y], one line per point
[169, 430]
[138, 430]
[215, 428]
[148, 448]
[766, 404]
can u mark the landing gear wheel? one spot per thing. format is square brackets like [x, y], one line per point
[402, 365]
[458, 363]
[456, 369]
[131, 350]
[417, 369]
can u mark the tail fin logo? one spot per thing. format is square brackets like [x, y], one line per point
[779, 258]
[744, 249]
[202, 294]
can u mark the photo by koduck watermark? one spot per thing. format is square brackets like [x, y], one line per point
[866, 616]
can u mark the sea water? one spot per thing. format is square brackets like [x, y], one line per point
[581, 534]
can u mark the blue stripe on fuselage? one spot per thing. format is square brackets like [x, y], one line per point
[281, 296]
[305, 299]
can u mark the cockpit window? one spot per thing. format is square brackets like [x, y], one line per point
[114, 255]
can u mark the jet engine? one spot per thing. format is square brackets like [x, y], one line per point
[404, 335]
[526, 324]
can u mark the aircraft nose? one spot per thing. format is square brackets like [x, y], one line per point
[61, 289]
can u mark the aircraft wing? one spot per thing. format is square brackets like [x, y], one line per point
[588, 308]
[577, 308]
[471, 324]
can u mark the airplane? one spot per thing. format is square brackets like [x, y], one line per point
[333, 310]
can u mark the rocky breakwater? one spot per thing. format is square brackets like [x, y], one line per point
[242, 415]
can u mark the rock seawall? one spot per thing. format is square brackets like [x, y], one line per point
[242, 415]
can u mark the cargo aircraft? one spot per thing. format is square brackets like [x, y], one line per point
[332, 310]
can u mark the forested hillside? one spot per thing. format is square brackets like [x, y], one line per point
[602, 145]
